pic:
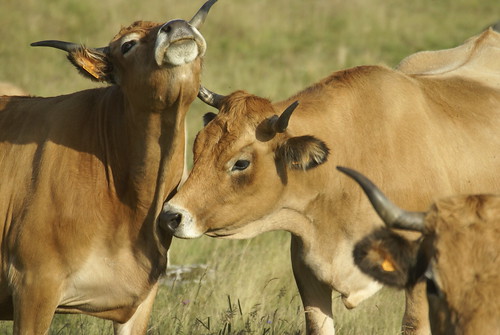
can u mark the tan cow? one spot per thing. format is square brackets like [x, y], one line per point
[11, 89]
[459, 254]
[84, 177]
[253, 172]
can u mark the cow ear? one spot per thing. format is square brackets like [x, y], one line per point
[387, 257]
[91, 63]
[208, 117]
[303, 152]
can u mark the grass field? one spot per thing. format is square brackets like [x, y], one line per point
[271, 48]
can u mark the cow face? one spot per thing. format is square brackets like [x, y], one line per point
[146, 58]
[457, 255]
[398, 262]
[242, 168]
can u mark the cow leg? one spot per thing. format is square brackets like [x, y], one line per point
[35, 303]
[316, 296]
[6, 308]
[138, 323]
[416, 317]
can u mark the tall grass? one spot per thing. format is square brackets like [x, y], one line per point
[271, 48]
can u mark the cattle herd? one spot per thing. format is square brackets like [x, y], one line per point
[91, 192]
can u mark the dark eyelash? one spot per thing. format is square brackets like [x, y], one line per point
[127, 46]
[240, 165]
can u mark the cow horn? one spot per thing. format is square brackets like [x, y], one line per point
[393, 216]
[199, 17]
[65, 46]
[279, 124]
[210, 98]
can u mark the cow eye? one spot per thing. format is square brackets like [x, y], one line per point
[127, 46]
[240, 165]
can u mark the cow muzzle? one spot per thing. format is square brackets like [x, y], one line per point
[178, 43]
[170, 220]
[179, 222]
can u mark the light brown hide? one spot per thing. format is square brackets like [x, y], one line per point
[84, 176]
[430, 134]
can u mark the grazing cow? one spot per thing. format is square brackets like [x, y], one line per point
[459, 253]
[84, 177]
[254, 172]
[11, 89]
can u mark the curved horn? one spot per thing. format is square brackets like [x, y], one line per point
[210, 98]
[199, 17]
[61, 45]
[279, 124]
[393, 216]
[65, 46]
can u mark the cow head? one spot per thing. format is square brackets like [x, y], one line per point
[245, 158]
[458, 255]
[146, 58]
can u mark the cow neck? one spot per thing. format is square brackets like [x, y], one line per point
[143, 142]
[143, 156]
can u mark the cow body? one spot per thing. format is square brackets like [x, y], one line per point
[458, 253]
[85, 175]
[11, 89]
[434, 134]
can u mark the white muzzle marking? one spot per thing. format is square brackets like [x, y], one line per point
[184, 225]
[179, 46]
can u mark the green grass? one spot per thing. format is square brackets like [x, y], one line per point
[270, 48]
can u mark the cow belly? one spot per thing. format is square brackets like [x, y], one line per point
[120, 314]
[110, 288]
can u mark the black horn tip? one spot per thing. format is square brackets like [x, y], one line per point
[366, 184]
[210, 98]
[199, 18]
[208, 4]
[62, 45]
[352, 173]
[282, 122]
[393, 216]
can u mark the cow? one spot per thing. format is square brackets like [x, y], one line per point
[458, 255]
[260, 166]
[84, 177]
[7, 88]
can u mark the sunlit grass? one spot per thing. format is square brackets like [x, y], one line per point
[271, 48]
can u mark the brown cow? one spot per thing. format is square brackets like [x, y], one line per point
[459, 254]
[84, 177]
[253, 172]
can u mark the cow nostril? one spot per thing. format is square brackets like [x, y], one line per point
[171, 219]
[174, 25]
[167, 27]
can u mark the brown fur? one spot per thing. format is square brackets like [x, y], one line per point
[94, 63]
[461, 239]
[386, 247]
[429, 135]
[84, 178]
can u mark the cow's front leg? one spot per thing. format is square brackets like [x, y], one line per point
[416, 317]
[35, 299]
[138, 323]
[316, 296]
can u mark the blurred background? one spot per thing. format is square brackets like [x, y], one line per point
[270, 48]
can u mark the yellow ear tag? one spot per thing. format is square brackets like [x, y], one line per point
[90, 68]
[388, 266]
